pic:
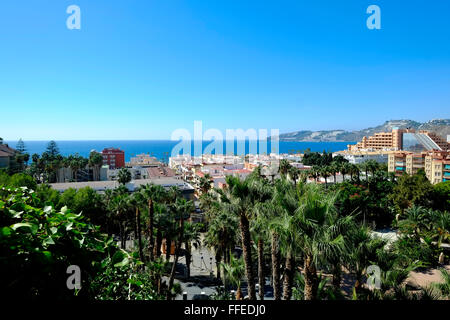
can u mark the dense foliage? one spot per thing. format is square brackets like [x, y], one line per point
[304, 234]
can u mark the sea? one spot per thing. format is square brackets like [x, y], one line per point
[162, 149]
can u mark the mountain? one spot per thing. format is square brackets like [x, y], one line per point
[439, 126]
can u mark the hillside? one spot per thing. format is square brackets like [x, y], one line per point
[439, 126]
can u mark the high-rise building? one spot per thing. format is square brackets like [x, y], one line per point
[397, 162]
[402, 139]
[113, 157]
[436, 164]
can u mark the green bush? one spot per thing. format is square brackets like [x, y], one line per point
[37, 245]
[17, 180]
[442, 196]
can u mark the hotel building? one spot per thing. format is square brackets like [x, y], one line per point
[113, 157]
[436, 164]
[402, 139]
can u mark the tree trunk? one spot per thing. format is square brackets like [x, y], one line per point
[288, 276]
[239, 293]
[175, 260]
[246, 248]
[135, 229]
[139, 238]
[275, 252]
[337, 276]
[150, 228]
[125, 236]
[188, 259]
[310, 279]
[168, 248]
[158, 243]
[261, 268]
[358, 282]
[218, 260]
[121, 233]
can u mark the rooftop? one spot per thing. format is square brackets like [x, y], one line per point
[6, 151]
[166, 182]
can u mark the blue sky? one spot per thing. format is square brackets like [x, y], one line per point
[141, 69]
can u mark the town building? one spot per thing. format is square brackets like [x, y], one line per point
[436, 164]
[113, 157]
[7, 155]
[142, 160]
[359, 156]
[193, 168]
[402, 139]
[437, 167]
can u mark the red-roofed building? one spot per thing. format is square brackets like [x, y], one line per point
[113, 157]
[6, 155]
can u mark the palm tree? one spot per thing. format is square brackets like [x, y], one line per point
[107, 201]
[242, 195]
[259, 234]
[95, 161]
[205, 183]
[283, 232]
[284, 167]
[444, 287]
[76, 162]
[334, 168]
[161, 222]
[322, 290]
[191, 238]
[152, 193]
[234, 272]
[119, 205]
[365, 167]
[182, 208]
[372, 166]
[355, 171]
[345, 168]
[275, 257]
[318, 232]
[221, 235]
[362, 250]
[315, 172]
[416, 219]
[325, 173]
[124, 176]
[138, 200]
[441, 223]
[287, 234]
